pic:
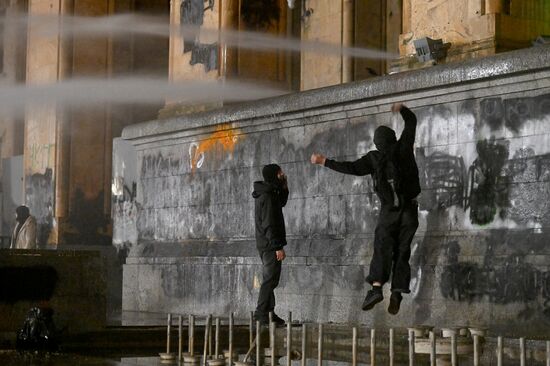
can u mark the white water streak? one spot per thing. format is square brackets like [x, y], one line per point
[128, 24]
[75, 92]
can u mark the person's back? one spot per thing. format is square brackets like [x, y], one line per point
[24, 233]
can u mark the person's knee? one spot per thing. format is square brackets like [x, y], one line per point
[268, 280]
[404, 253]
[381, 233]
[271, 276]
[409, 222]
[276, 279]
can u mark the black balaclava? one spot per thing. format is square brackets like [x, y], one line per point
[22, 214]
[270, 172]
[384, 138]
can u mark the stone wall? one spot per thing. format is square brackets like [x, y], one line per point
[481, 254]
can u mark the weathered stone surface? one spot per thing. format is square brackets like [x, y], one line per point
[480, 255]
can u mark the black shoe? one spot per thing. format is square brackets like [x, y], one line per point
[373, 297]
[395, 302]
[279, 322]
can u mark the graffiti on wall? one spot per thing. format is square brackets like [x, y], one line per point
[155, 165]
[445, 175]
[192, 18]
[39, 195]
[502, 184]
[219, 143]
[124, 191]
[507, 281]
[488, 186]
[40, 156]
[512, 114]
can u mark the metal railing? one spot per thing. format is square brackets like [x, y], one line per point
[421, 340]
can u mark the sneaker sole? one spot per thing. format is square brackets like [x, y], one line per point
[371, 305]
[393, 311]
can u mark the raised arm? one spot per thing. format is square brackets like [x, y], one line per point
[409, 132]
[358, 167]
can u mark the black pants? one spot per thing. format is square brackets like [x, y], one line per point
[392, 246]
[271, 274]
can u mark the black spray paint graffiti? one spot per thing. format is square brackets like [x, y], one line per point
[488, 187]
[192, 18]
[495, 185]
[512, 113]
[159, 165]
[39, 195]
[526, 162]
[124, 193]
[512, 281]
[445, 175]
[124, 208]
[485, 187]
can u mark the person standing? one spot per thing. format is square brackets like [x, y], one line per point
[395, 176]
[24, 233]
[270, 196]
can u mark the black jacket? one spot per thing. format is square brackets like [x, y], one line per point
[270, 222]
[402, 156]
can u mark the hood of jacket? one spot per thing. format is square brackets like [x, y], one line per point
[262, 187]
[384, 139]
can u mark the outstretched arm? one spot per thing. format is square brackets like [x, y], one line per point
[409, 132]
[361, 166]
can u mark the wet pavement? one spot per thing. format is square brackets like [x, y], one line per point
[137, 338]
[15, 358]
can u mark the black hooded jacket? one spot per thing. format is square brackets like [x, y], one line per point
[270, 199]
[401, 154]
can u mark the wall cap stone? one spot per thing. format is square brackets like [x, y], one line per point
[493, 67]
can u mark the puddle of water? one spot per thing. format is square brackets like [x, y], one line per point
[155, 361]
[144, 361]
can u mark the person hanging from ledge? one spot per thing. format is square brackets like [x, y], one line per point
[270, 196]
[395, 177]
[24, 233]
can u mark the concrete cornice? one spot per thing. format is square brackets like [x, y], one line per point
[493, 67]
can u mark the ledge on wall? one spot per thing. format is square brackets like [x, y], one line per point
[504, 64]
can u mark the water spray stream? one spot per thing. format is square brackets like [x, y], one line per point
[134, 24]
[130, 90]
